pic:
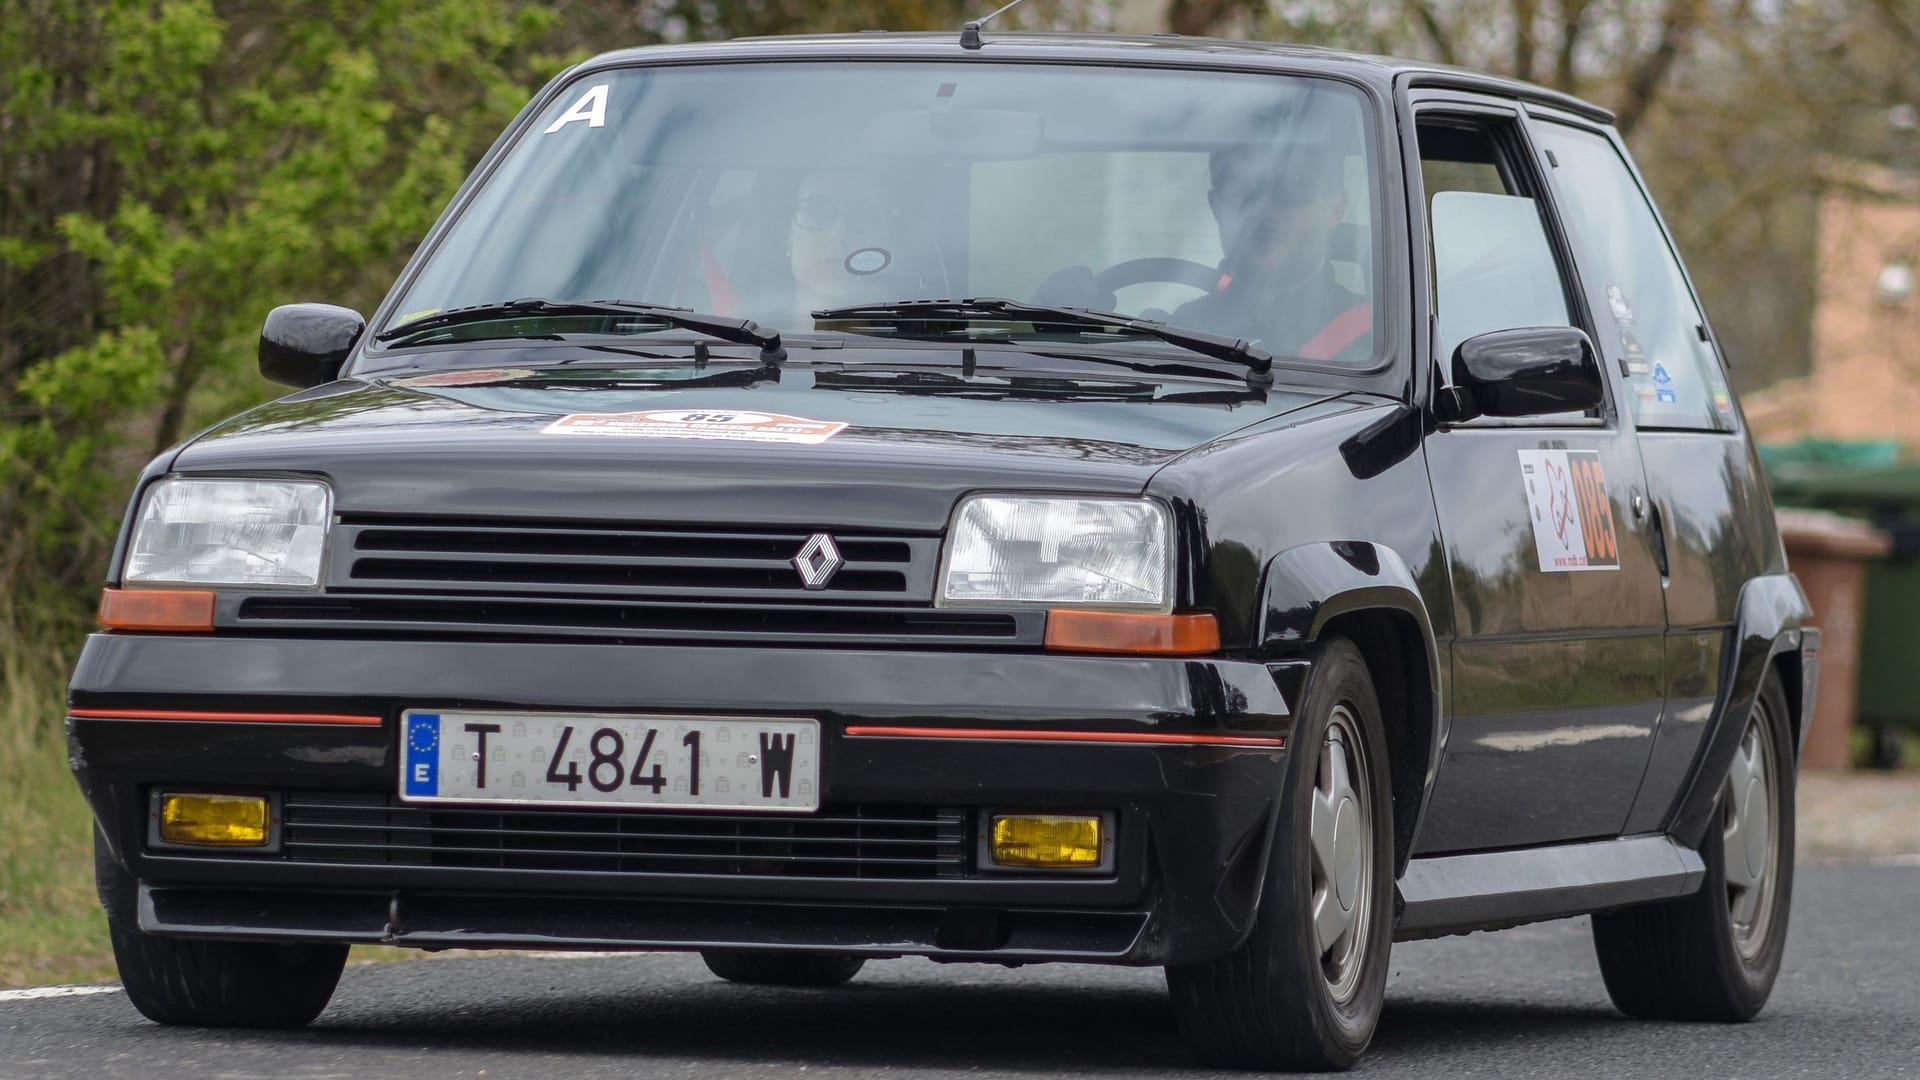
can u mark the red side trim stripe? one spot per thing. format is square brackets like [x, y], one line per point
[1249, 741]
[233, 717]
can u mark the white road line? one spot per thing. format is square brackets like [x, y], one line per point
[1896, 860]
[34, 993]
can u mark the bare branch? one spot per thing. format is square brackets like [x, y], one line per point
[1677, 24]
[1523, 38]
[1892, 13]
[1201, 18]
[1573, 25]
[1437, 34]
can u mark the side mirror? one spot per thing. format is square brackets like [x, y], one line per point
[1535, 371]
[304, 344]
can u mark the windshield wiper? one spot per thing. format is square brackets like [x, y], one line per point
[1257, 361]
[738, 331]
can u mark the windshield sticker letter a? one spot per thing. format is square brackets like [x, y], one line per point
[592, 107]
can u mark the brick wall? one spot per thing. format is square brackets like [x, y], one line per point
[1866, 354]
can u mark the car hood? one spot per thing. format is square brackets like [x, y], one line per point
[804, 445]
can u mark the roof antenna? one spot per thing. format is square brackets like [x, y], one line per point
[970, 33]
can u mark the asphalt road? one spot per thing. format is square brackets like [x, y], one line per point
[1521, 1003]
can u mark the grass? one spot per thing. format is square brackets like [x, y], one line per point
[51, 926]
[52, 930]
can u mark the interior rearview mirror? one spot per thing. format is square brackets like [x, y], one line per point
[1532, 371]
[976, 134]
[304, 344]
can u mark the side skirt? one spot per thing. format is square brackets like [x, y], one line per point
[1457, 894]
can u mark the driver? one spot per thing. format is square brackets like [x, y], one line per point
[1277, 207]
[845, 231]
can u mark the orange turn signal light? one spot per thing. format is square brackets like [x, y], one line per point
[1070, 630]
[156, 609]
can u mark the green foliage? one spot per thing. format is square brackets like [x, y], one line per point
[172, 171]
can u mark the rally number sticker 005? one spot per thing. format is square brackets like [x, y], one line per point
[1567, 504]
[717, 763]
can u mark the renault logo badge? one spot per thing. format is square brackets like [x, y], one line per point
[818, 561]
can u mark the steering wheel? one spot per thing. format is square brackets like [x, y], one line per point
[1141, 271]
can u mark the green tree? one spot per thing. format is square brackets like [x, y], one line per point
[169, 172]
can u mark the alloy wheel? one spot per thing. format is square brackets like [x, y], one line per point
[1340, 831]
[1749, 825]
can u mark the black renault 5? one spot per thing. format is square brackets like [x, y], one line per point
[1213, 505]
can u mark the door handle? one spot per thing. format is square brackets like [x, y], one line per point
[1659, 531]
[1639, 506]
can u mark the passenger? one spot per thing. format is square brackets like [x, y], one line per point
[1277, 208]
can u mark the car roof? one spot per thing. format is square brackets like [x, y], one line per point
[1171, 49]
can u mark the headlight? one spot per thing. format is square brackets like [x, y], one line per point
[230, 532]
[1045, 551]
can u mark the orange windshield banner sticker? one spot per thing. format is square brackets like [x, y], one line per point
[722, 424]
[468, 377]
[1571, 514]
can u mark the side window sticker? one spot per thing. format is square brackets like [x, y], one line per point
[1671, 368]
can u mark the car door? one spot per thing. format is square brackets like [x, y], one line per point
[1704, 485]
[1558, 662]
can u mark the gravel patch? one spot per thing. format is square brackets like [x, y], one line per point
[1858, 814]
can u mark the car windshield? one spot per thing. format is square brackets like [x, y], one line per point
[1234, 204]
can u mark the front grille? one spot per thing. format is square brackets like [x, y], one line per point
[526, 617]
[854, 841]
[706, 565]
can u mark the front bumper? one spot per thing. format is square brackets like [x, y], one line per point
[1192, 818]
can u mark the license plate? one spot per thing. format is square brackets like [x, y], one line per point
[715, 763]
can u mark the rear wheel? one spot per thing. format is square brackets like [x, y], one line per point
[211, 983]
[1714, 955]
[1304, 991]
[782, 969]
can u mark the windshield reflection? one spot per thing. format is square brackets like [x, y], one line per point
[1235, 204]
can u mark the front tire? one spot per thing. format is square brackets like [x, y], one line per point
[1714, 955]
[225, 983]
[782, 969]
[1304, 991]
[194, 983]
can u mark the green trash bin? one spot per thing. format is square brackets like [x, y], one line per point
[1889, 700]
[1867, 485]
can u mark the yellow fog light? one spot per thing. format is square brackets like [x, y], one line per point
[219, 820]
[1049, 840]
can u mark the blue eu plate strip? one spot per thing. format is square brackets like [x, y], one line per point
[423, 754]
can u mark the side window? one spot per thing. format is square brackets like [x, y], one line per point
[1493, 268]
[1651, 326]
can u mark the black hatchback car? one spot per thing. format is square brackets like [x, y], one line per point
[1214, 505]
